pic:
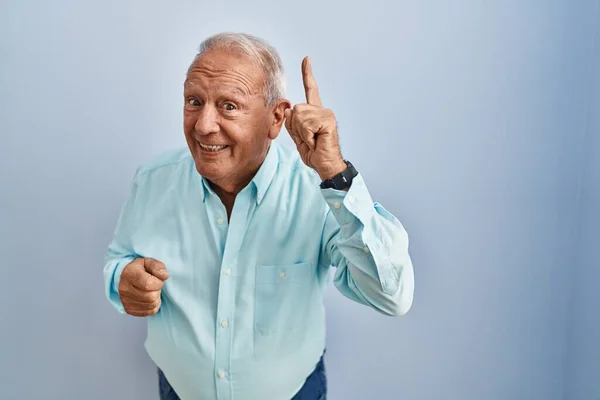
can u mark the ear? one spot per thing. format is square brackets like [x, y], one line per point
[278, 114]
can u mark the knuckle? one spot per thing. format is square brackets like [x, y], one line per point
[300, 108]
[153, 262]
[131, 311]
[299, 120]
[131, 271]
[306, 125]
[149, 297]
[148, 282]
[138, 263]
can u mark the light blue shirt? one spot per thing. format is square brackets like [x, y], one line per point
[242, 315]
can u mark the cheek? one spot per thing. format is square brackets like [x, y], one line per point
[188, 123]
[237, 130]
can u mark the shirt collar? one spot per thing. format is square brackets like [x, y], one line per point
[262, 179]
[206, 189]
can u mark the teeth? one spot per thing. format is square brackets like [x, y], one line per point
[212, 148]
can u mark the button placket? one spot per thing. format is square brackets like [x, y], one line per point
[234, 227]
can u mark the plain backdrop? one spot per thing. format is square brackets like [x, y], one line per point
[584, 341]
[476, 123]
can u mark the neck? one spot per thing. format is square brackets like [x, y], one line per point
[227, 192]
[227, 198]
[229, 189]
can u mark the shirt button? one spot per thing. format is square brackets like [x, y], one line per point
[337, 205]
[366, 249]
[221, 373]
[220, 221]
[228, 271]
[224, 323]
[351, 199]
[282, 274]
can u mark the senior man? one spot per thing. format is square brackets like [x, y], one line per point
[226, 246]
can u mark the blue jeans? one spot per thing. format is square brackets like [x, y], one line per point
[314, 388]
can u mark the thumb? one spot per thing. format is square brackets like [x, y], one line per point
[156, 268]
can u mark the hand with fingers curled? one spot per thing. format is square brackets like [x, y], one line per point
[314, 129]
[141, 285]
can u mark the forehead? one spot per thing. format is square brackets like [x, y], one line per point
[225, 70]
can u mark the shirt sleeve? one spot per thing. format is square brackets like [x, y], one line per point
[369, 248]
[120, 250]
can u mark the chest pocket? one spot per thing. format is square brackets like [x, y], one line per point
[283, 297]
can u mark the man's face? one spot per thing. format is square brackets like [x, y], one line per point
[227, 125]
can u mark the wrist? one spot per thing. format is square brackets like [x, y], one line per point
[341, 180]
[329, 171]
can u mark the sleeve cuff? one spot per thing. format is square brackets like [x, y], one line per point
[112, 284]
[118, 271]
[347, 206]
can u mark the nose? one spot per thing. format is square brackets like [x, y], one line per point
[207, 121]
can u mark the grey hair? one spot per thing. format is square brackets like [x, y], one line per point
[257, 50]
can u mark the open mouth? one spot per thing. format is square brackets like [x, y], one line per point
[211, 147]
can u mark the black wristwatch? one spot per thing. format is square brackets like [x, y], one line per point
[341, 181]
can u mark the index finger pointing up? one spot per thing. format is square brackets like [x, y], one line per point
[310, 86]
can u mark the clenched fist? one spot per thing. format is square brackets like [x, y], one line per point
[140, 287]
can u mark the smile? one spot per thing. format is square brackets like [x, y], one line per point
[212, 147]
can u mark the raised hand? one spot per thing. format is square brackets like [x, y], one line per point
[314, 129]
[140, 287]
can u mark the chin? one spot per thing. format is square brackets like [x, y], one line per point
[203, 167]
[212, 171]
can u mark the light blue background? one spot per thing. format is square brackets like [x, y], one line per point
[476, 123]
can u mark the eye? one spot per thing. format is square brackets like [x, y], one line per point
[193, 102]
[229, 107]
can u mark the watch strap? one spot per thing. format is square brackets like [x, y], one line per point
[342, 180]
